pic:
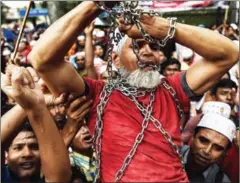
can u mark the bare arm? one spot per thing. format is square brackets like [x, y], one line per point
[11, 122]
[219, 53]
[54, 155]
[90, 52]
[47, 55]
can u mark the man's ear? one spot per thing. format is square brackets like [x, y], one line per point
[210, 97]
[115, 57]
[116, 60]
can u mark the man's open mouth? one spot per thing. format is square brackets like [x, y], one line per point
[27, 165]
[87, 138]
[148, 66]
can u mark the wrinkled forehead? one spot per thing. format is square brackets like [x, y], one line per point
[213, 136]
[24, 137]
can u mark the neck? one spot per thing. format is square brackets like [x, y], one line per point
[25, 180]
[192, 167]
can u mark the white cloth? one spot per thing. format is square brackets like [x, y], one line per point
[219, 124]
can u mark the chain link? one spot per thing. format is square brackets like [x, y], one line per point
[132, 93]
[127, 10]
[139, 137]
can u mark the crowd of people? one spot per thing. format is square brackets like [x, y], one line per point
[163, 114]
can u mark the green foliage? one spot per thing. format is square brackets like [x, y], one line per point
[58, 8]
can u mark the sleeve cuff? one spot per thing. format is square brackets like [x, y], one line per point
[187, 89]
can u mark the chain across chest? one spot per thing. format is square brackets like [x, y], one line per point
[133, 94]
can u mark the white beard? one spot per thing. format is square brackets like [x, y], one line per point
[141, 79]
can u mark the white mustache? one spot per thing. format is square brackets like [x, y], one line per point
[144, 65]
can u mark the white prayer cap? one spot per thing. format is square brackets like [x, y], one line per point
[82, 53]
[119, 41]
[219, 124]
[220, 108]
[234, 26]
[187, 54]
[6, 52]
[100, 34]
[81, 37]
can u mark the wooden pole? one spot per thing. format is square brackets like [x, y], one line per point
[21, 32]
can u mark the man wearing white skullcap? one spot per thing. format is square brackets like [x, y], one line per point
[212, 107]
[117, 116]
[212, 139]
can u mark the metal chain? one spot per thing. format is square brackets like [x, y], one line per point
[138, 138]
[127, 10]
[110, 48]
[132, 93]
[97, 141]
[174, 95]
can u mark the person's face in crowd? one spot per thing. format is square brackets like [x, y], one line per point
[230, 31]
[83, 139]
[22, 46]
[58, 113]
[171, 70]
[80, 61]
[81, 42]
[23, 157]
[224, 95]
[105, 76]
[99, 51]
[148, 53]
[207, 147]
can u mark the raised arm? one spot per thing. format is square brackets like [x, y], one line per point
[219, 53]
[89, 65]
[47, 56]
[76, 112]
[11, 123]
[53, 152]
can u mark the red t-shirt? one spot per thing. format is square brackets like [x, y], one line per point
[154, 160]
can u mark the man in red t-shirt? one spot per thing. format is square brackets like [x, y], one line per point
[137, 129]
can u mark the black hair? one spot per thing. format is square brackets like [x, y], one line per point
[26, 127]
[78, 173]
[170, 61]
[98, 44]
[223, 83]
